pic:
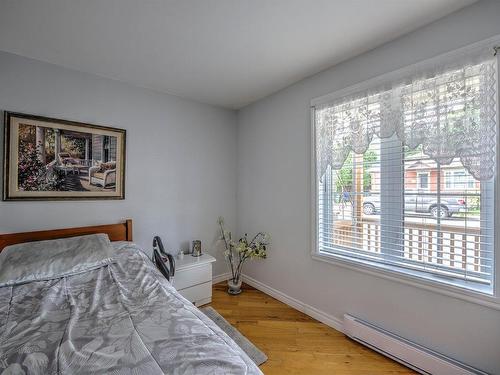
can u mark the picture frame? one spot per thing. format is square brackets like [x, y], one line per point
[53, 159]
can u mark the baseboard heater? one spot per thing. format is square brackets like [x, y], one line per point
[417, 357]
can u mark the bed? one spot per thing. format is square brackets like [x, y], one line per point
[74, 311]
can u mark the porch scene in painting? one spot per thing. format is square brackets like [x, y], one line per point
[52, 159]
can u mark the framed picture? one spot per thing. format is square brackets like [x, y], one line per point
[51, 159]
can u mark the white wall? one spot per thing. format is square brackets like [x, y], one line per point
[181, 167]
[182, 171]
[274, 195]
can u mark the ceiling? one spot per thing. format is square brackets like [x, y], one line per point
[222, 52]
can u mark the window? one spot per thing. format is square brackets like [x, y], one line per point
[459, 180]
[405, 173]
[423, 181]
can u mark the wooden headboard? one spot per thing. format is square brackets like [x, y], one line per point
[116, 232]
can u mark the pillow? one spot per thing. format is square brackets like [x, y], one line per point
[108, 166]
[45, 260]
[70, 161]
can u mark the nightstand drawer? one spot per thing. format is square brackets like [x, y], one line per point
[199, 294]
[193, 276]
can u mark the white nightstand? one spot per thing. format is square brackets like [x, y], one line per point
[193, 278]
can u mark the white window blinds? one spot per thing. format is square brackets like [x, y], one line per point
[405, 171]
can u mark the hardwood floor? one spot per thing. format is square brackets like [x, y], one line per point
[294, 342]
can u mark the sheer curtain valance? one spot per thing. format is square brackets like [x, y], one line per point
[447, 107]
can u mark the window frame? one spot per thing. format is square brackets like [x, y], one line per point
[419, 183]
[450, 180]
[448, 183]
[452, 287]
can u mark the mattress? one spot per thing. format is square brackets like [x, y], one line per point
[121, 318]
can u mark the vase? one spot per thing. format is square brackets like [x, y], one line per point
[234, 287]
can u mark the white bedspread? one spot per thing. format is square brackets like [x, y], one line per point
[122, 318]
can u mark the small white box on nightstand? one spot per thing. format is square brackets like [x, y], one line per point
[193, 278]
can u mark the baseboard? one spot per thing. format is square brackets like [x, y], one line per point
[221, 277]
[313, 312]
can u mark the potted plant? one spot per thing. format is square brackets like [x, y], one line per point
[237, 253]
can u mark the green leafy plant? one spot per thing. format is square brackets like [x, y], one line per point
[33, 174]
[345, 181]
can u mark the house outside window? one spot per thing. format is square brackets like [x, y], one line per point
[405, 176]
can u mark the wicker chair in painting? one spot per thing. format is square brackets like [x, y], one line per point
[103, 174]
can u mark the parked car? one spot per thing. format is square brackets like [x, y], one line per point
[422, 204]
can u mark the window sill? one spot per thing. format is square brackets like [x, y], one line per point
[480, 296]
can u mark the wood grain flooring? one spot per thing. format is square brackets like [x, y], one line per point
[294, 342]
